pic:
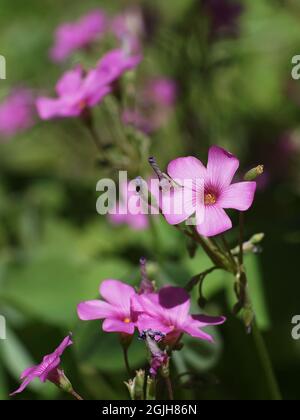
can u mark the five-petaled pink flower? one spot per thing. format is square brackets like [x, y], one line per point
[47, 370]
[72, 36]
[168, 312]
[219, 192]
[116, 310]
[16, 112]
[76, 92]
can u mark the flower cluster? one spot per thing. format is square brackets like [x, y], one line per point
[167, 311]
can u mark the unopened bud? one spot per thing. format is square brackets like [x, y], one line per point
[254, 173]
[150, 391]
[136, 386]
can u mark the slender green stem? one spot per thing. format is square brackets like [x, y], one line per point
[126, 360]
[228, 249]
[169, 388]
[241, 238]
[266, 364]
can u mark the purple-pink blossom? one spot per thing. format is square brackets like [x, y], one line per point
[76, 92]
[48, 369]
[16, 112]
[115, 310]
[191, 177]
[76, 35]
[169, 312]
[128, 210]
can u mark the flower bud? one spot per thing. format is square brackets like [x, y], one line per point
[254, 173]
[150, 391]
[136, 386]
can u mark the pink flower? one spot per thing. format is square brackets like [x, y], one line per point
[127, 211]
[16, 112]
[116, 310]
[162, 91]
[219, 192]
[47, 370]
[76, 92]
[115, 63]
[168, 313]
[77, 35]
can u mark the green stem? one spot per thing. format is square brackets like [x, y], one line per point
[76, 396]
[169, 388]
[126, 360]
[266, 364]
[241, 239]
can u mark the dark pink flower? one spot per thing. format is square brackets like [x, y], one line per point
[72, 36]
[16, 112]
[116, 310]
[224, 14]
[191, 177]
[47, 370]
[169, 312]
[128, 210]
[76, 92]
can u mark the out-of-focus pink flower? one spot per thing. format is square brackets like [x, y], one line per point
[76, 92]
[155, 105]
[47, 370]
[72, 36]
[16, 112]
[168, 312]
[124, 209]
[129, 29]
[138, 120]
[190, 176]
[116, 310]
[162, 91]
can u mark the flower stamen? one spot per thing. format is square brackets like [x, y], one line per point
[210, 199]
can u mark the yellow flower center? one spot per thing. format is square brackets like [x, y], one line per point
[210, 199]
[127, 320]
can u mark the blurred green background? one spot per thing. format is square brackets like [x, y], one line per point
[236, 91]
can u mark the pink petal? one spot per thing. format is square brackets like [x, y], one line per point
[187, 168]
[221, 167]
[95, 309]
[50, 108]
[27, 372]
[178, 205]
[205, 320]
[238, 196]
[23, 386]
[67, 341]
[117, 294]
[70, 82]
[176, 303]
[146, 322]
[215, 222]
[115, 325]
[194, 331]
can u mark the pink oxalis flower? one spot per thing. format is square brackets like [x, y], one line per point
[16, 112]
[189, 173]
[73, 36]
[116, 310]
[77, 91]
[47, 370]
[169, 312]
